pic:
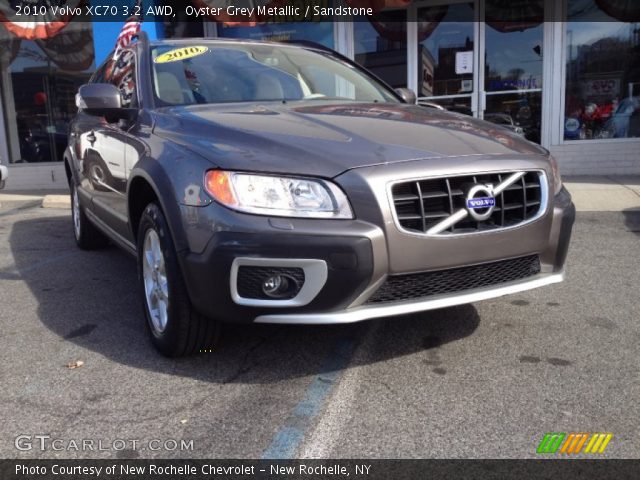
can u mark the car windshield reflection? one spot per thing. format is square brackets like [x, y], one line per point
[223, 73]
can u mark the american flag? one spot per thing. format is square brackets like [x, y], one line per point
[130, 29]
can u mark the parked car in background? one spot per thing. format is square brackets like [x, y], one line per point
[504, 120]
[281, 183]
[40, 142]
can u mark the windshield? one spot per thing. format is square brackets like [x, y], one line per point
[222, 73]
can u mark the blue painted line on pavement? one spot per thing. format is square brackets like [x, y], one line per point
[286, 441]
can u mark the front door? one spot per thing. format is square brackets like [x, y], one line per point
[106, 147]
[482, 58]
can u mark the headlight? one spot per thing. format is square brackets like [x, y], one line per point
[557, 181]
[277, 196]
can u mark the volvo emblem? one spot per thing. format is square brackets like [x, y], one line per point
[480, 202]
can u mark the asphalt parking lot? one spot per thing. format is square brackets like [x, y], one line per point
[480, 381]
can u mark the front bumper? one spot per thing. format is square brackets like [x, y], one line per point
[358, 314]
[357, 264]
[344, 247]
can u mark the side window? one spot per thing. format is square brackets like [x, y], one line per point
[122, 74]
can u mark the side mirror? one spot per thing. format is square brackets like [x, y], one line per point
[103, 100]
[407, 95]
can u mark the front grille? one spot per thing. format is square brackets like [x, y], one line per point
[251, 279]
[421, 204]
[419, 285]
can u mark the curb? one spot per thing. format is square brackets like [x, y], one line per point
[56, 201]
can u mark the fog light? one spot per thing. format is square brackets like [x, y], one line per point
[276, 286]
[269, 283]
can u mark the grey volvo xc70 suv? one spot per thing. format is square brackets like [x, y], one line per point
[262, 182]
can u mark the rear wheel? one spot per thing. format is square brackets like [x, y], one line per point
[176, 328]
[87, 235]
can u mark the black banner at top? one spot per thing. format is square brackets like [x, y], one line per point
[251, 12]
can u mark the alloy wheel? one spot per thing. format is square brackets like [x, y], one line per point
[155, 281]
[76, 214]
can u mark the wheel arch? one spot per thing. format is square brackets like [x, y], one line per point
[148, 183]
[69, 169]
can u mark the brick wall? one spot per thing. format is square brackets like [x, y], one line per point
[36, 177]
[598, 158]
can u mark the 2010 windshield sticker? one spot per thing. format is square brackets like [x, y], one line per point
[181, 54]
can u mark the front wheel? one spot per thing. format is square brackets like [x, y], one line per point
[176, 328]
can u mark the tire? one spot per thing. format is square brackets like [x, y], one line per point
[87, 235]
[175, 327]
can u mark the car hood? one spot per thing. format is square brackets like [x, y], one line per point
[325, 139]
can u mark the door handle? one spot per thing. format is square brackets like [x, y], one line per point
[91, 138]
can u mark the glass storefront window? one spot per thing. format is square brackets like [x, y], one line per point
[520, 112]
[381, 45]
[603, 71]
[446, 35]
[514, 36]
[513, 55]
[39, 81]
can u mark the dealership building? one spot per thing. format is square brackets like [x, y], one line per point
[563, 73]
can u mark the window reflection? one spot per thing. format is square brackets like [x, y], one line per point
[520, 112]
[381, 45]
[513, 66]
[513, 57]
[447, 36]
[513, 36]
[603, 73]
[39, 81]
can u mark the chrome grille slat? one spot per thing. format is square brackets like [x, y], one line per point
[406, 198]
[501, 202]
[421, 203]
[450, 192]
[524, 198]
[425, 206]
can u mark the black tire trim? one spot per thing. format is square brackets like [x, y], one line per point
[91, 238]
[187, 331]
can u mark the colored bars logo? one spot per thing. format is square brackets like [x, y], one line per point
[574, 443]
